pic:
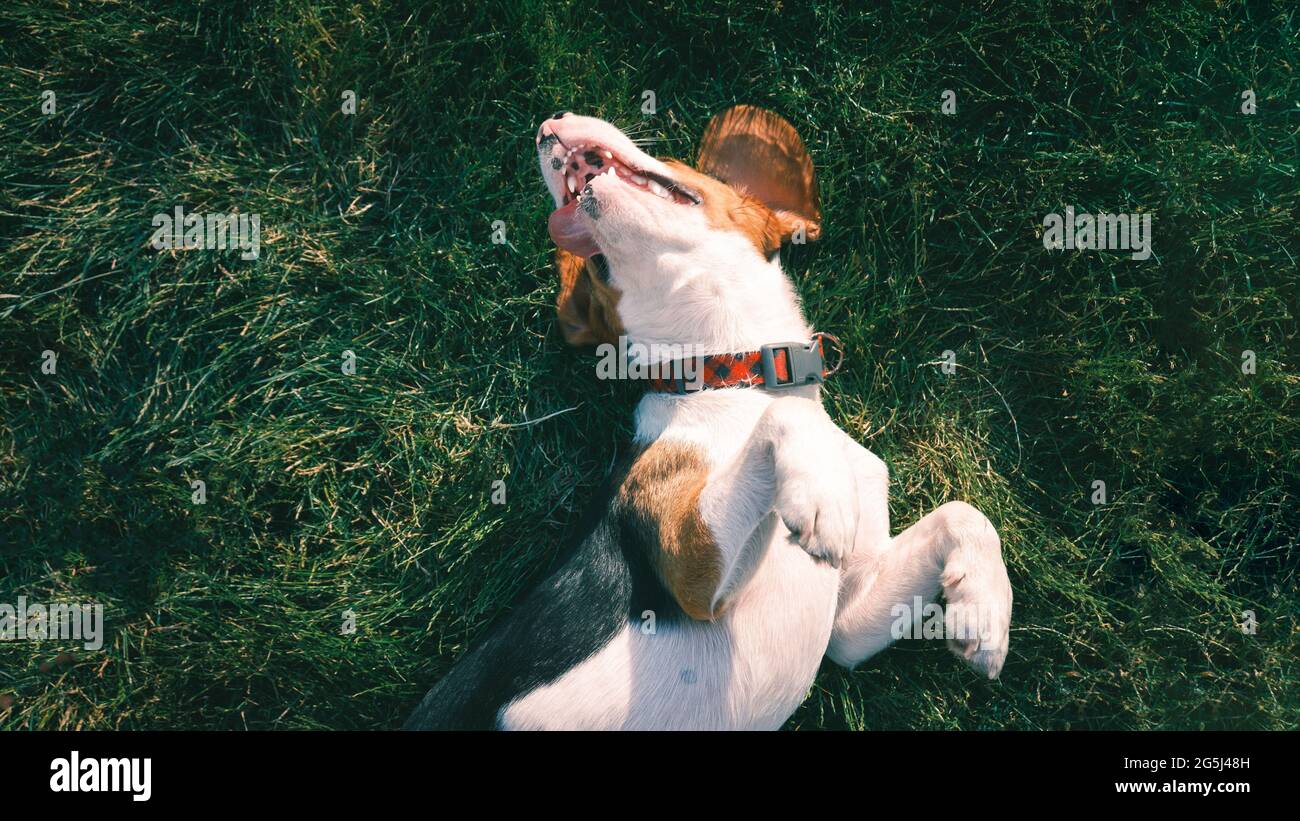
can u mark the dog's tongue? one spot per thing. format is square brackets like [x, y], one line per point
[570, 230]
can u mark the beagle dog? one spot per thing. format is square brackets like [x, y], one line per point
[747, 536]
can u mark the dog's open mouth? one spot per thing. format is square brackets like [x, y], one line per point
[582, 164]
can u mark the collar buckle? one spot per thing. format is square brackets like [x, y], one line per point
[791, 364]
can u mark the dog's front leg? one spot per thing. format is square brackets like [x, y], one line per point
[793, 465]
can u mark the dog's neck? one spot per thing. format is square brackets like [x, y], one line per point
[741, 304]
[729, 301]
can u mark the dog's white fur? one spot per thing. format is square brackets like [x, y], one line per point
[782, 477]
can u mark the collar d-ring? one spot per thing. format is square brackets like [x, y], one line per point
[836, 346]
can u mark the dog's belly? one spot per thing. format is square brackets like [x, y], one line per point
[750, 669]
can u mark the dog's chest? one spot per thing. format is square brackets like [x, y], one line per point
[717, 422]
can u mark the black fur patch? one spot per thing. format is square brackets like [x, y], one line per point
[604, 581]
[602, 267]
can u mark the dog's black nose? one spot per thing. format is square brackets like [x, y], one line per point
[560, 115]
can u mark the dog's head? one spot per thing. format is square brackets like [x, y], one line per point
[658, 247]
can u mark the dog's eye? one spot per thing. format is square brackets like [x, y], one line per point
[600, 268]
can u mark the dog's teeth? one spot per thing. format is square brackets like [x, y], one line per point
[572, 185]
[638, 179]
[657, 189]
[609, 155]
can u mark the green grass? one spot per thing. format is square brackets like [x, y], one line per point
[370, 492]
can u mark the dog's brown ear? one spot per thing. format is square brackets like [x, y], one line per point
[586, 308]
[759, 152]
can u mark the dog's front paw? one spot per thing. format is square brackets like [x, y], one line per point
[977, 615]
[819, 508]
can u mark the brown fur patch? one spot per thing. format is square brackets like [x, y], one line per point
[587, 307]
[663, 489]
[730, 210]
[755, 177]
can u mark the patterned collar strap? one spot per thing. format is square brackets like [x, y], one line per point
[775, 367]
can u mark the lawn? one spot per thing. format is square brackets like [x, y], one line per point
[367, 490]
